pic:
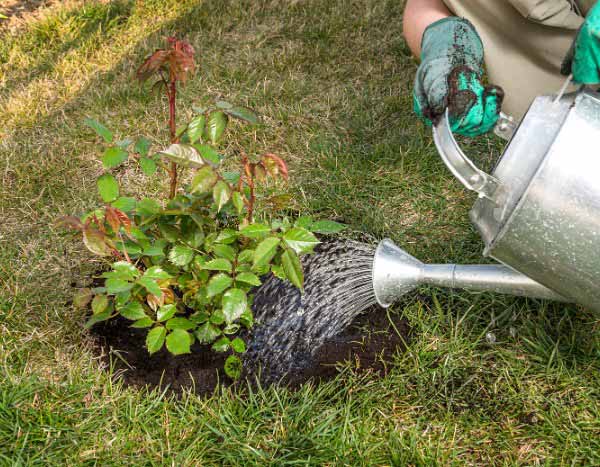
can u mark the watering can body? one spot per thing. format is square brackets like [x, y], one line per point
[539, 211]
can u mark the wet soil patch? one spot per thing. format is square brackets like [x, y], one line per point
[369, 343]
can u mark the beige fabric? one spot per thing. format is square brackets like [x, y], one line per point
[525, 42]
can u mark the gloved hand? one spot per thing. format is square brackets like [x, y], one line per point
[583, 59]
[450, 77]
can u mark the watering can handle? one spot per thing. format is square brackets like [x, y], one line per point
[460, 165]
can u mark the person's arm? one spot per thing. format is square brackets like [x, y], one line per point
[418, 14]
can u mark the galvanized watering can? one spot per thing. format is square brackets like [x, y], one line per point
[538, 213]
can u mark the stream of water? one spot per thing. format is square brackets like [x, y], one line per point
[291, 326]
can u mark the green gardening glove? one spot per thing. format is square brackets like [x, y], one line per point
[450, 77]
[583, 60]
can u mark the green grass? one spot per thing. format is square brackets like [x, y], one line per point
[332, 79]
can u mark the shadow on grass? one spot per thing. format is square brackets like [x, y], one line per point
[38, 41]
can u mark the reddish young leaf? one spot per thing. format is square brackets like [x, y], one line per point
[177, 59]
[259, 172]
[117, 218]
[152, 64]
[280, 164]
[70, 222]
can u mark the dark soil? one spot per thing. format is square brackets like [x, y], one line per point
[369, 343]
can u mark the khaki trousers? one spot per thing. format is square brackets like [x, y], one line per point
[524, 47]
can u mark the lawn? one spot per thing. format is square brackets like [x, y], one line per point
[485, 380]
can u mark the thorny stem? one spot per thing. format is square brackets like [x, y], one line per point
[172, 94]
[124, 249]
[249, 169]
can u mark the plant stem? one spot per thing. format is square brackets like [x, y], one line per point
[249, 169]
[172, 93]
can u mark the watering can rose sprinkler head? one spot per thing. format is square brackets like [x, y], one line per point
[396, 273]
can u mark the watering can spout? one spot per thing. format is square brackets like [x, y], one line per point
[395, 273]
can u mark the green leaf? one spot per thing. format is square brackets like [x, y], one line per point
[99, 304]
[196, 128]
[207, 333]
[129, 246]
[238, 345]
[150, 285]
[156, 272]
[221, 194]
[243, 113]
[246, 256]
[108, 188]
[278, 272]
[293, 268]
[215, 126]
[231, 328]
[218, 264]
[181, 255]
[303, 221]
[125, 270]
[148, 207]
[143, 323]
[121, 299]
[179, 342]
[233, 367]
[170, 232]
[113, 156]
[224, 251]
[300, 240]
[248, 278]
[224, 105]
[192, 234]
[238, 201]
[184, 155]
[115, 286]
[231, 177]
[265, 251]
[142, 146]
[156, 249]
[256, 231]
[98, 318]
[155, 339]
[124, 204]
[227, 236]
[82, 297]
[138, 234]
[222, 345]
[234, 303]
[217, 317]
[133, 311]
[166, 312]
[180, 323]
[148, 166]
[247, 318]
[327, 227]
[199, 316]
[204, 180]
[218, 284]
[209, 153]
[100, 129]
